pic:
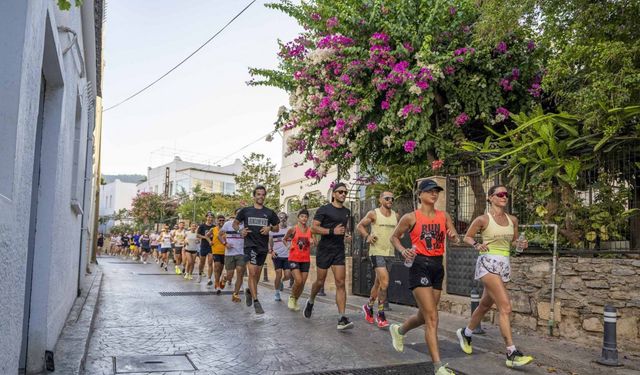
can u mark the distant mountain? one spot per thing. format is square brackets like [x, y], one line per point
[134, 178]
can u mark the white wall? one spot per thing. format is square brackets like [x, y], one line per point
[115, 196]
[42, 210]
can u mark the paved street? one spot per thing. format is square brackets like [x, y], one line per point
[220, 337]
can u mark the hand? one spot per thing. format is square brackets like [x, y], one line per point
[245, 231]
[273, 254]
[227, 245]
[265, 230]
[524, 243]
[454, 236]
[347, 236]
[339, 230]
[481, 247]
[372, 238]
[408, 254]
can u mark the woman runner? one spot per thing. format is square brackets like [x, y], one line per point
[300, 240]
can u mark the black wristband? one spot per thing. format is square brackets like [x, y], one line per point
[474, 244]
[330, 230]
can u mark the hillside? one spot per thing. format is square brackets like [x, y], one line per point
[135, 178]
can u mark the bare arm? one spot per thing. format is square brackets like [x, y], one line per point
[476, 226]
[451, 229]
[317, 229]
[367, 220]
[289, 236]
[405, 223]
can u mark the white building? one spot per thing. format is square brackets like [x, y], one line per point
[184, 176]
[115, 196]
[294, 185]
[49, 81]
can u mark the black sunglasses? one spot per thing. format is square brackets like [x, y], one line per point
[340, 191]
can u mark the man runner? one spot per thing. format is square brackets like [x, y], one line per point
[233, 255]
[145, 245]
[279, 251]
[218, 250]
[179, 237]
[383, 221]
[258, 221]
[204, 234]
[428, 229]
[330, 222]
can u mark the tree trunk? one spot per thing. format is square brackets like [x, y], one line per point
[479, 195]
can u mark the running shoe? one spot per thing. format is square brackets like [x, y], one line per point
[190, 276]
[161, 264]
[344, 323]
[397, 339]
[443, 370]
[258, 307]
[247, 297]
[218, 292]
[235, 298]
[166, 269]
[291, 304]
[368, 313]
[308, 309]
[145, 262]
[277, 296]
[178, 270]
[221, 285]
[517, 359]
[381, 320]
[199, 279]
[209, 284]
[465, 341]
[296, 306]
[186, 276]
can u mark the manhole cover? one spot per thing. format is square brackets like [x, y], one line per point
[195, 293]
[407, 369]
[152, 363]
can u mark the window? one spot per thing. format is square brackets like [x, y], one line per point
[229, 188]
[75, 169]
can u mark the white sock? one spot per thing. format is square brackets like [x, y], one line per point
[468, 332]
[511, 349]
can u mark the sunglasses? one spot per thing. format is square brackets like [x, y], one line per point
[388, 199]
[502, 194]
[340, 192]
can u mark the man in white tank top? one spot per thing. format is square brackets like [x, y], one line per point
[383, 221]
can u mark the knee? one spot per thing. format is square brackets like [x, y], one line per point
[339, 284]
[431, 319]
[505, 309]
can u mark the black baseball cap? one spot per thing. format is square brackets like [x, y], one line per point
[426, 185]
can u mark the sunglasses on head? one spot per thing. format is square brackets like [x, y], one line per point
[340, 192]
[502, 194]
[388, 199]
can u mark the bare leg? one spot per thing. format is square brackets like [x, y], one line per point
[321, 275]
[339, 274]
[494, 291]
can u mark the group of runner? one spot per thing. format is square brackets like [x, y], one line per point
[257, 232]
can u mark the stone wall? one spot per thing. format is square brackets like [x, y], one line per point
[329, 284]
[583, 287]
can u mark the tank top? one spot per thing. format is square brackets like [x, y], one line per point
[300, 250]
[383, 229]
[165, 240]
[179, 236]
[497, 237]
[217, 247]
[428, 234]
[144, 241]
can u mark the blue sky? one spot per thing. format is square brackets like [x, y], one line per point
[204, 110]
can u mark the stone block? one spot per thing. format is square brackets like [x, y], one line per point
[636, 263]
[623, 271]
[590, 276]
[621, 295]
[633, 303]
[572, 283]
[627, 328]
[593, 324]
[520, 303]
[570, 311]
[544, 311]
[597, 284]
[583, 267]
[570, 328]
[541, 267]
[524, 321]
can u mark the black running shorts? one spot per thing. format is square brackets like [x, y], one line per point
[301, 266]
[255, 257]
[426, 272]
[325, 258]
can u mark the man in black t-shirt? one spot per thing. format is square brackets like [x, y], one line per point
[204, 234]
[258, 221]
[330, 222]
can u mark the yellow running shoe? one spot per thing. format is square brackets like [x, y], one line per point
[396, 338]
[465, 341]
[517, 359]
[177, 270]
[291, 304]
[190, 276]
[443, 370]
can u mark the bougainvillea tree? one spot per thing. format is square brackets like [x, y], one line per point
[397, 82]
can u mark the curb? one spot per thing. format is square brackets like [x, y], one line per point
[73, 343]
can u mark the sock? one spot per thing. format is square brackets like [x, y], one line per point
[255, 300]
[468, 332]
[401, 331]
[511, 349]
[380, 306]
[371, 302]
[437, 365]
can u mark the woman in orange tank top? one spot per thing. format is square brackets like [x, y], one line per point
[299, 236]
[428, 229]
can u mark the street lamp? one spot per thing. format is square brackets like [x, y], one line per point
[305, 201]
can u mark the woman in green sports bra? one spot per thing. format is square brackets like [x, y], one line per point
[499, 232]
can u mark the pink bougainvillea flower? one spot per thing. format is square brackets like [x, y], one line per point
[462, 119]
[506, 84]
[316, 17]
[410, 146]
[449, 70]
[437, 164]
[372, 127]
[452, 10]
[531, 45]
[502, 47]
[503, 111]
[384, 104]
[332, 22]
[535, 90]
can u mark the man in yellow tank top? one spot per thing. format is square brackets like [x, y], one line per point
[383, 221]
[218, 249]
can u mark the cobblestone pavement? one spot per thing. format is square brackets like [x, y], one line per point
[222, 337]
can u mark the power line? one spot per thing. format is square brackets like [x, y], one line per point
[183, 61]
[243, 147]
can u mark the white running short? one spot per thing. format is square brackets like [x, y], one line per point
[495, 264]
